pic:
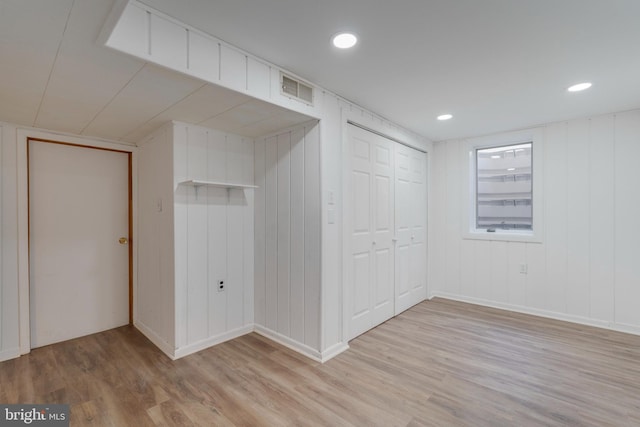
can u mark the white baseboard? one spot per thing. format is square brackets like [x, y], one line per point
[155, 339]
[208, 342]
[333, 351]
[620, 327]
[9, 354]
[289, 343]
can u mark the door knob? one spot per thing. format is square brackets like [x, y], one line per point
[123, 240]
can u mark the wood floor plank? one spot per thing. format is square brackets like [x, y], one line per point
[441, 363]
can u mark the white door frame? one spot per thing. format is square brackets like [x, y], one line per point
[375, 125]
[23, 137]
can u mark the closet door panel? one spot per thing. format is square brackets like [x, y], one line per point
[411, 226]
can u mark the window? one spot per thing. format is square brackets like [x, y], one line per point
[503, 188]
[505, 195]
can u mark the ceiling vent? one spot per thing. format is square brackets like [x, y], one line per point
[296, 89]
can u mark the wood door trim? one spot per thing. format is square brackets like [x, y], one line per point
[129, 203]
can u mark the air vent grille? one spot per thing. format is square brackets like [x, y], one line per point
[289, 86]
[297, 89]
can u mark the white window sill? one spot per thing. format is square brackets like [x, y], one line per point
[503, 236]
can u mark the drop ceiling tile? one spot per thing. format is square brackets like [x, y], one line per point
[242, 115]
[207, 102]
[86, 76]
[30, 33]
[150, 92]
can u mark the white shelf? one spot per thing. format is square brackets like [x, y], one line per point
[228, 185]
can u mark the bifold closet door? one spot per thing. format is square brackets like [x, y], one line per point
[411, 227]
[369, 224]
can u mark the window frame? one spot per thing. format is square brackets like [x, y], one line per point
[469, 229]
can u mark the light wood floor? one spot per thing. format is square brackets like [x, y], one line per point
[441, 363]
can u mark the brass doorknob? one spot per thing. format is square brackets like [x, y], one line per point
[123, 240]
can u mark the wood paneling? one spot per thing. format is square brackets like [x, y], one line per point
[556, 214]
[197, 256]
[271, 224]
[216, 227]
[584, 270]
[313, 287]
[155, 303]
[260, 233]
[287, 229]
[213, 229]
[233, 68]
[602, 224]
[578, 180]
[283, 195]
[297, 224]
[627, 212]
[440, 363]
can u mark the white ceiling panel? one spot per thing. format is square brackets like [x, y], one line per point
[150, 92]
[207, 102]
[85, 76]
[235, 119]
[283, 120]
[493, 64]
[30, 33]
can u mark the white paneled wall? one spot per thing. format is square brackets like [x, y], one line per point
[154, 298]
[287, 238]
[139, 30]
[585, 270]
[9, 323]
[213, 237]
[191, 238]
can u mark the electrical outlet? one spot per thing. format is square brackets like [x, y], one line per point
[523, 268]
[220, 285]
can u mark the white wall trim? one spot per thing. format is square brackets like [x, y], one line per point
[290, 343]
[630, 329]
[9, 354]
[22, 136]
[209, 342]
[333, 351]
[164, 346]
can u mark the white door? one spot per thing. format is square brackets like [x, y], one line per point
[370, 264]
[79, 270]
[411, 227]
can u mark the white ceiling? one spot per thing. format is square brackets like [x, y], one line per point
[494, 64]
[54, 76]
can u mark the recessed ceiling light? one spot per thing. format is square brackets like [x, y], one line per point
[445, 117]
[344, 40]
[579, 87]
